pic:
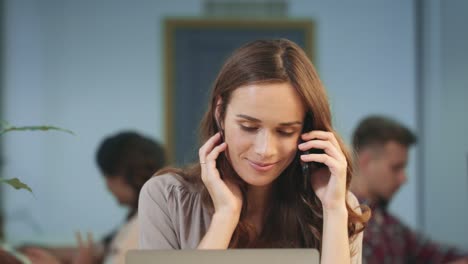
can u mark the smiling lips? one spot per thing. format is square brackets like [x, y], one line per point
[262, 167]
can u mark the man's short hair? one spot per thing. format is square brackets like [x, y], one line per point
[378, 130]
[131, 155]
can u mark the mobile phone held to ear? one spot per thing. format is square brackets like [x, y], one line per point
[307, 167]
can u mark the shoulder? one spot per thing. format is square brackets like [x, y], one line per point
[166, 184]
[166, 187]
[171, 213]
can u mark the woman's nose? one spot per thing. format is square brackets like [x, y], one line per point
[265, 145]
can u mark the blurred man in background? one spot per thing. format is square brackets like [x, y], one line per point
[381, 147]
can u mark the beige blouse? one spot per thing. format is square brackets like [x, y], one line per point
[171, 214]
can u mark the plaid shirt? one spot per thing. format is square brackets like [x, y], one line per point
[388, 240]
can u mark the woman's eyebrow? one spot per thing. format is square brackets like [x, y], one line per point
[253, 119]
[291, 123]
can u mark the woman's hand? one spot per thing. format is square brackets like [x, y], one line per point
[329, 183]
[226, 196]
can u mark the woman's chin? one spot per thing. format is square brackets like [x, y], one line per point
[258, 180]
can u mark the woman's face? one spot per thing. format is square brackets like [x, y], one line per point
[262, 125]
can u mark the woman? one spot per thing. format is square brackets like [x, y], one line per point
[268, 108]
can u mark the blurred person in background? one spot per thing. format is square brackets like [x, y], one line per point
[381, 147]
[126, 161]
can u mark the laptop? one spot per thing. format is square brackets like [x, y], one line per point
[231, 256]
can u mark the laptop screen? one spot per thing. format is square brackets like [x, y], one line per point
[231, 256]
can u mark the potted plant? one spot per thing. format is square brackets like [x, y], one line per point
[6, 251]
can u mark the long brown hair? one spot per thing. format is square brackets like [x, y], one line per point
[295, 215]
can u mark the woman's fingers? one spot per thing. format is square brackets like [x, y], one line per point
[208, 154]
[332, 157]
[214, 154]
[208, 147]
[321, 135]
[327, 146]
[327, 142]
[208, 168]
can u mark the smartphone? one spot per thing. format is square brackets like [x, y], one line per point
[308, 167]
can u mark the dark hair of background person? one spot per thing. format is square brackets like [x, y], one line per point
[297, 218]
[376, 131]
[132, 156]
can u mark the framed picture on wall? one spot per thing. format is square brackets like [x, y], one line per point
[195, 50]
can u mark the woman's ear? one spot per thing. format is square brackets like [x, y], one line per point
[217, 113]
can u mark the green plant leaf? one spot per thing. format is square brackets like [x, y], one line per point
[34, 128]
[16, 183]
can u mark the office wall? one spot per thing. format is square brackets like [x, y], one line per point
[95, 67]
[444, 93]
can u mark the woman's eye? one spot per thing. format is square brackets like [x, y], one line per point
[248, 128]
[286, 133]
